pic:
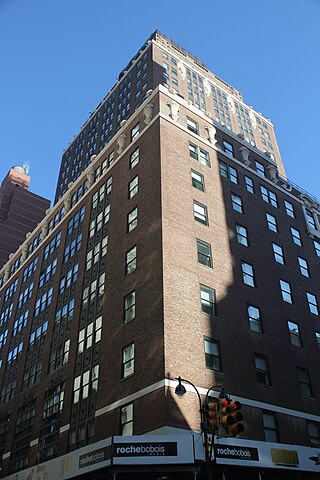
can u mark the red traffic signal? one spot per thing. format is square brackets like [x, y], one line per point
[236, 426]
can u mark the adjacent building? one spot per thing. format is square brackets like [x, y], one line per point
[178, 248]
[20, 211]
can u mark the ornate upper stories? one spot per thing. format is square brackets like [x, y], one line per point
[166, 104]
[162, 62]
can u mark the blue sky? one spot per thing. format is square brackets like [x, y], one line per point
[60, 57]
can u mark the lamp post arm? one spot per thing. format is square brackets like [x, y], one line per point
[180, 380]
[211, 388]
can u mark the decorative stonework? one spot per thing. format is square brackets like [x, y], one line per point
[148, 113]
[24, 251]
[44, 228]
[90, 176]
[174, 111]
[121, 142]
[245, 155]
[309, 203]
[211, 130]
[273, 171]
[67, 202]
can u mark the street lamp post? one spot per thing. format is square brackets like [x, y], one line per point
[180, 391]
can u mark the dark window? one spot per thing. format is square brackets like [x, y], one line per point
[278, 253]
[236, 203]
[197, 180]
[304, 382]
[272, 222]
[254, 318]
[286, 291]
[200, 213]
[270, 427]
[212, 354]
[294, 332]
[262, 369]
[204, 253]
[228, 148]
[207, 298]
[247, 274]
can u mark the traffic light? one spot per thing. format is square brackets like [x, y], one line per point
[213, 414]
[226, 419]
[235, 427]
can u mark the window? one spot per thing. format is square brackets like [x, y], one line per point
[249, 184]
[129, 307]
[200, 213]
[310, 219]
[294, 332]
[48, 272]
[317, 247]
[247, 274]
[76, 220]
[272, 222]
[304, 268]
[286, 291]
[3, 338]
[72, 248]
[204, 253]
[131, 260]
[269, 196]
[228, 148]
[192, 125]
[90, 335]
[278, 253]
[134, 159]
[212, 354]
[236, 203]
[260, 168]
[254, 319]
[304, 382]
[135, 132]
[262, 369]
[317, 335]
[296, 236]
[207, 298]
[128, 360]
[314, 433]
[242, 235]
[25, 295]
[313, 303]
[85, 384]
[133, 187]
[69, 278]
[132, 220]
[31, 268]
[43, 302]
[270, 427]
[199, 154]
[228, 172]
[126, 420]
[289, 209]
[197, 180]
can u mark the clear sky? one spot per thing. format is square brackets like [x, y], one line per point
[59, 58]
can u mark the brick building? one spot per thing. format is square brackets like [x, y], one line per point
[180, 250]
[20, 211]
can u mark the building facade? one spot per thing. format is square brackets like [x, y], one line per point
[180, 250]
[20, 211]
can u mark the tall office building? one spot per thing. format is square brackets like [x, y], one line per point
[177, 249]
[20, 211]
